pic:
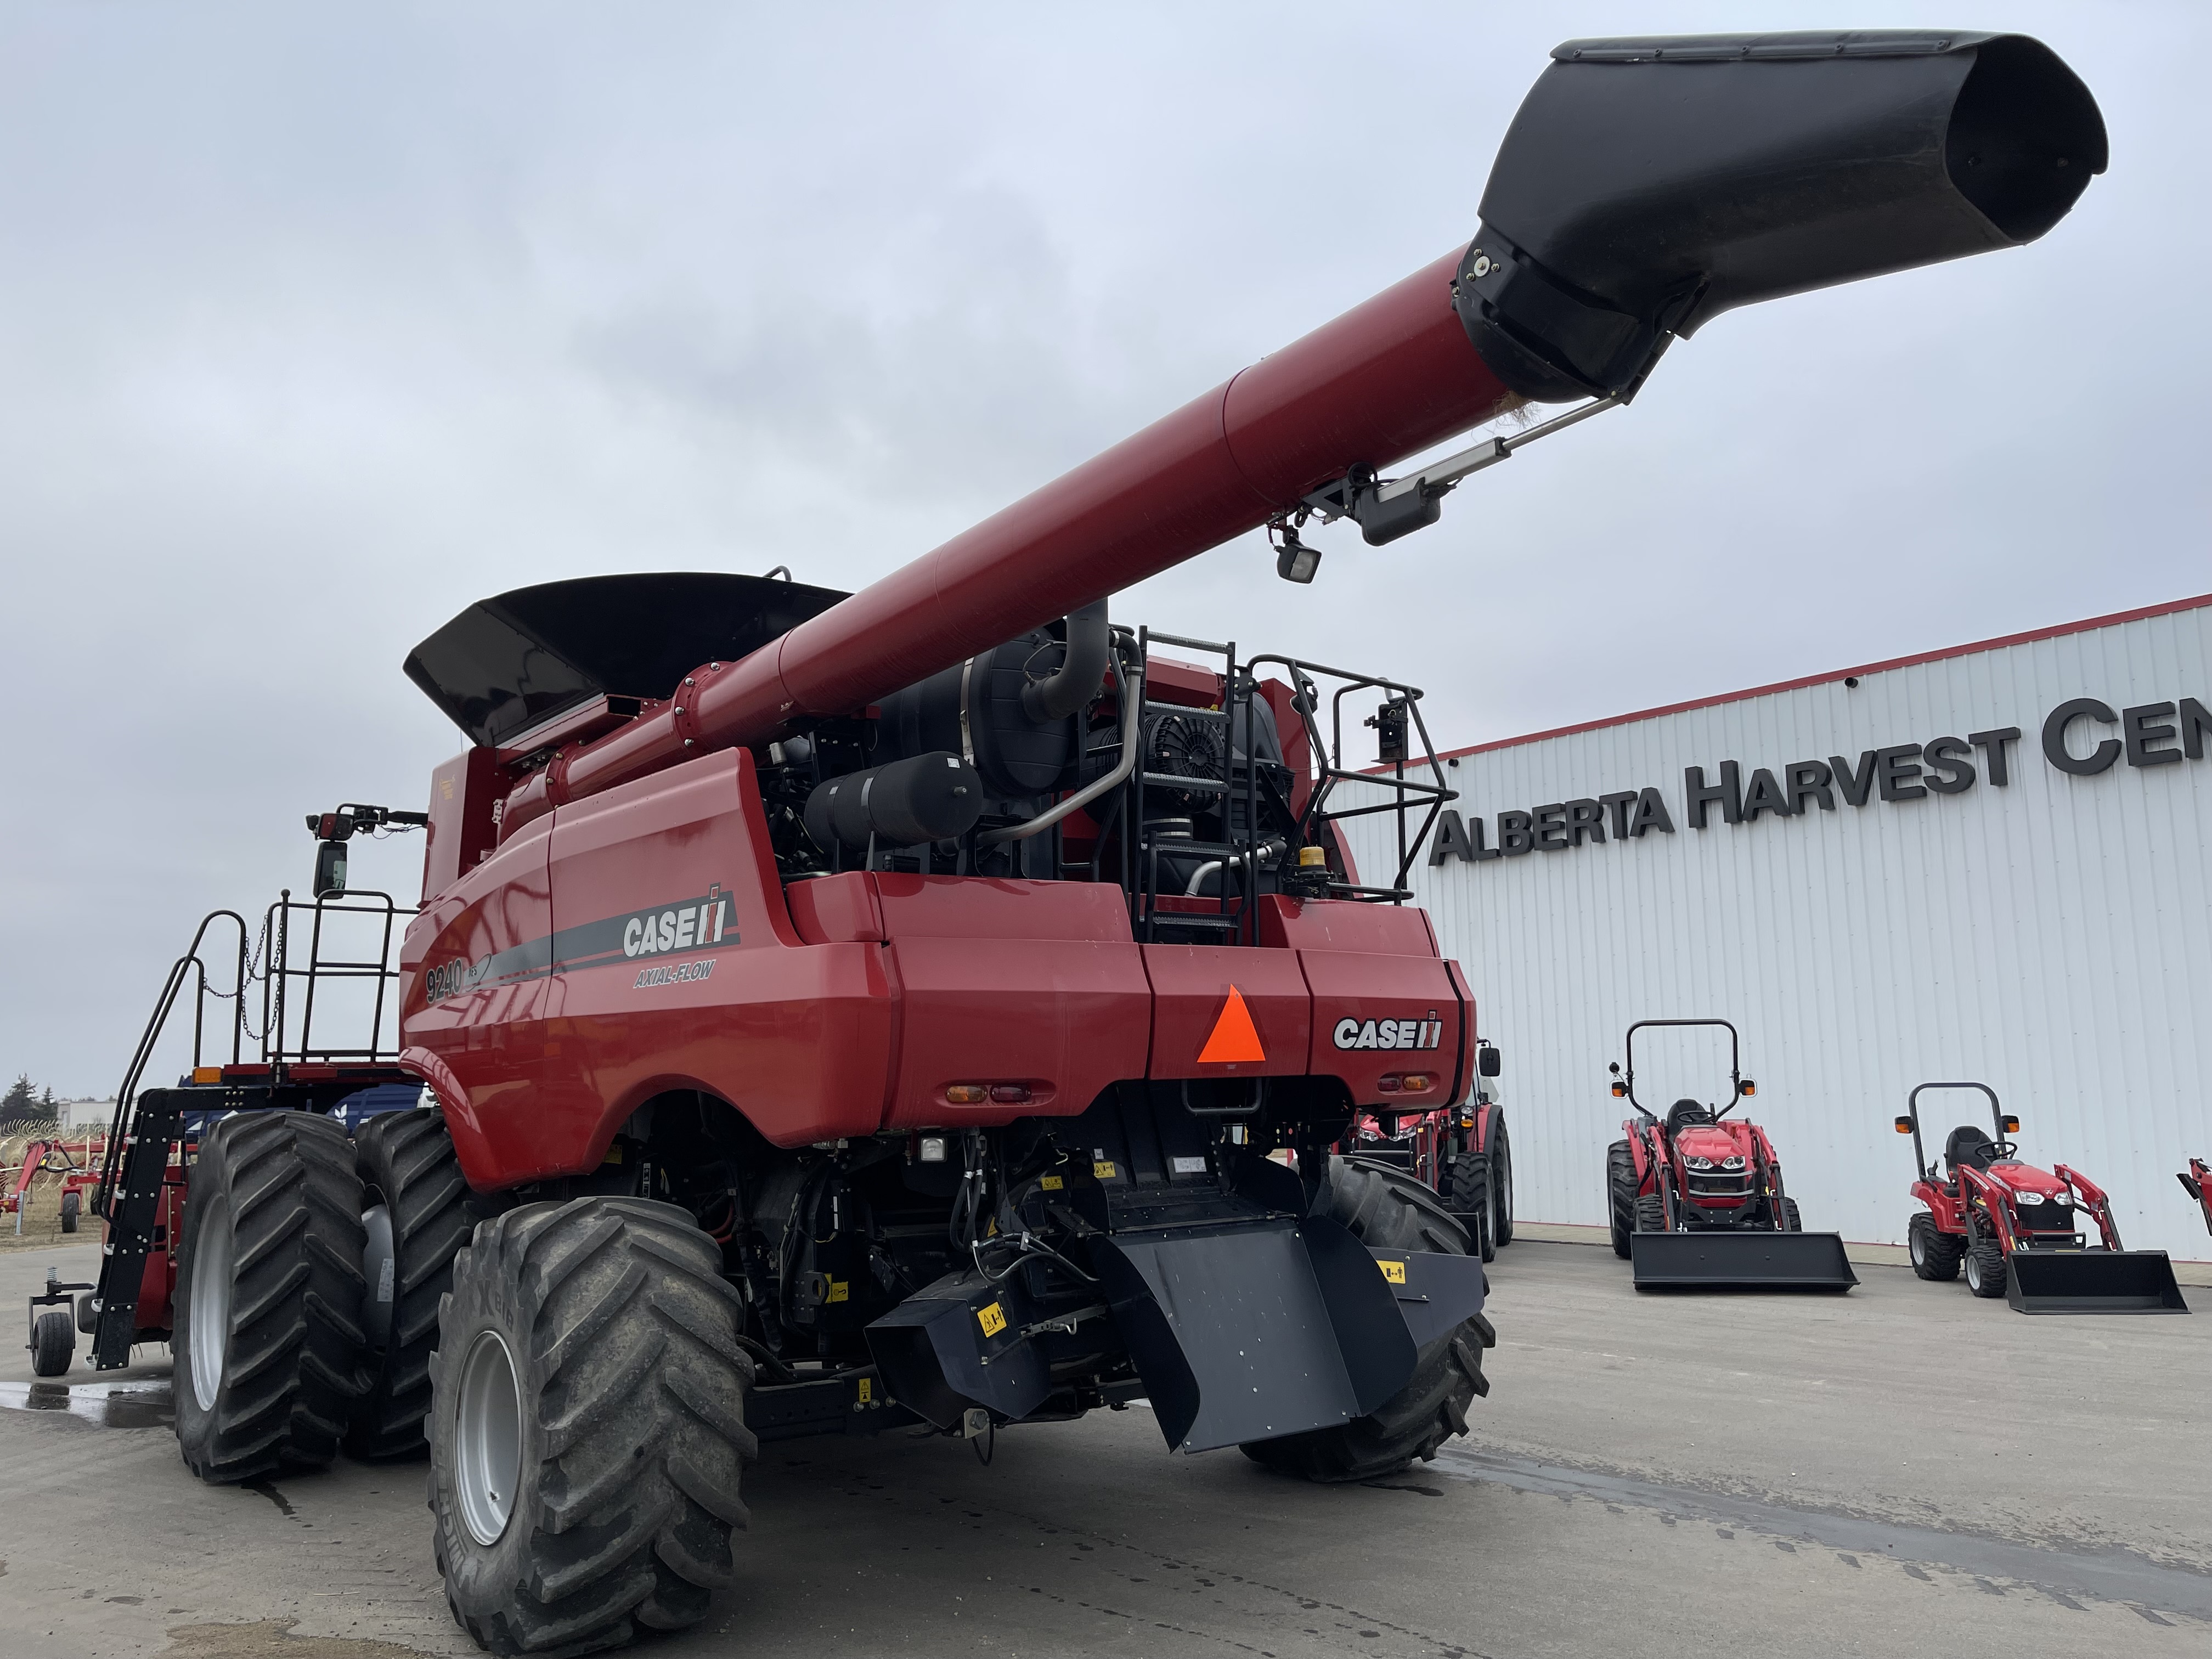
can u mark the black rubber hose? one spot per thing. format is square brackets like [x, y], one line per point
[1081, 674]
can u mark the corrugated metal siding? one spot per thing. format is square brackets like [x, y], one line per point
[2052, 938]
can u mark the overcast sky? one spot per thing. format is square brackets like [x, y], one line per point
[317, 326]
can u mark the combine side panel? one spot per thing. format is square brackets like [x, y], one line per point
[1748, 1260]
[2092, 1282]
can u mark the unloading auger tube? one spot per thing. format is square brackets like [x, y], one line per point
[1645, 187]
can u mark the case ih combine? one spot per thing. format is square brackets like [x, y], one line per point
[2018, 1229]
[855, 1011]
[1697, 1200]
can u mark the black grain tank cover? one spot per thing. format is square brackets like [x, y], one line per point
[506, 664]
[1646, 185]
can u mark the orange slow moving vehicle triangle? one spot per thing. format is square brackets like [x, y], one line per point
[1235, 1037]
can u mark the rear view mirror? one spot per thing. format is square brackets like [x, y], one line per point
[1489, 1062]
[1614, 1068]
[1904, 1125]
[2012, 1126]
[330, 867]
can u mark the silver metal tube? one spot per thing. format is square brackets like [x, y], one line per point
[1198, 877]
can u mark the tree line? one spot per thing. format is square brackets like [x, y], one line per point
[25, 1103]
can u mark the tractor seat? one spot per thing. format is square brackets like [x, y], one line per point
[1968, 1144]
[1683, 1113]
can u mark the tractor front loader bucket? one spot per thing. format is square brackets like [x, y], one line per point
[2092, 1282]
[1748, 1260]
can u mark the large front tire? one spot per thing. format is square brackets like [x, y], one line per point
[588, 1429]
[417, 1215]
[268, 1335]
[1386, 1209]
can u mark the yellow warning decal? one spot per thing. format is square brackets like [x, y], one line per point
[614, 1153]
[1051, 1184]
[867, 1394]
[993, 1319]
[841, 1289]
[1104, 1169]
[1392, 1271]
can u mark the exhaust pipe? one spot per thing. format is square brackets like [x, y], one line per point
[1647, 186]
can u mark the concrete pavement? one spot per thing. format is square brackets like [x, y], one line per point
[1904, 1469]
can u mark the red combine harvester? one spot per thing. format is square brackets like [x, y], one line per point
[2017, 1228]
[2197, 1181]
[1696, 1198]
[857, 1011]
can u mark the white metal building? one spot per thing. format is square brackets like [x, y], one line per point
[1891, 879]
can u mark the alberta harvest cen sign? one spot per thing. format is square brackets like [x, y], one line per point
[2149, 734]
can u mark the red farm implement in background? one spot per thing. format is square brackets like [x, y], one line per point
[2017, 1229]
[854, 1011]
[1462, 1152]
[1696, 1198]
[70, 1158]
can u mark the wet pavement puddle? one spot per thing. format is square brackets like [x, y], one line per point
[2110, 1575]
[106, 1405]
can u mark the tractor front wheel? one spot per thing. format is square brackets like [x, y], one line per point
[1935, 1255]
[268, 1335]
[1791, 1221]
[1621, 1194]
[587, 1429]
[1651, 1213]
[1386, 1208]
[1986, 1268]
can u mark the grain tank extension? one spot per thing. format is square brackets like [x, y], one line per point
[938, 1005]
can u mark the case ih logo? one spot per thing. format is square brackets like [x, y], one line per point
[1390, 1033]
[691, 925]
[650, 932]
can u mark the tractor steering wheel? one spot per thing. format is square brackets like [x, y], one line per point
[2003, 1152]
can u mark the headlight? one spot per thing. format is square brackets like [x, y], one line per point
[1700, 1162]
[1732, 1161]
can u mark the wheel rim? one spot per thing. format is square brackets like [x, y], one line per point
[1974, 1272]
[487, 1438]
[213, 1258]
[1917, 1244]
[379, 1267]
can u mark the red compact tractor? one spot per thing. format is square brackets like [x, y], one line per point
[851, 1011]
[1696, 1197]
[2018, 1229]
[2197, 1181]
